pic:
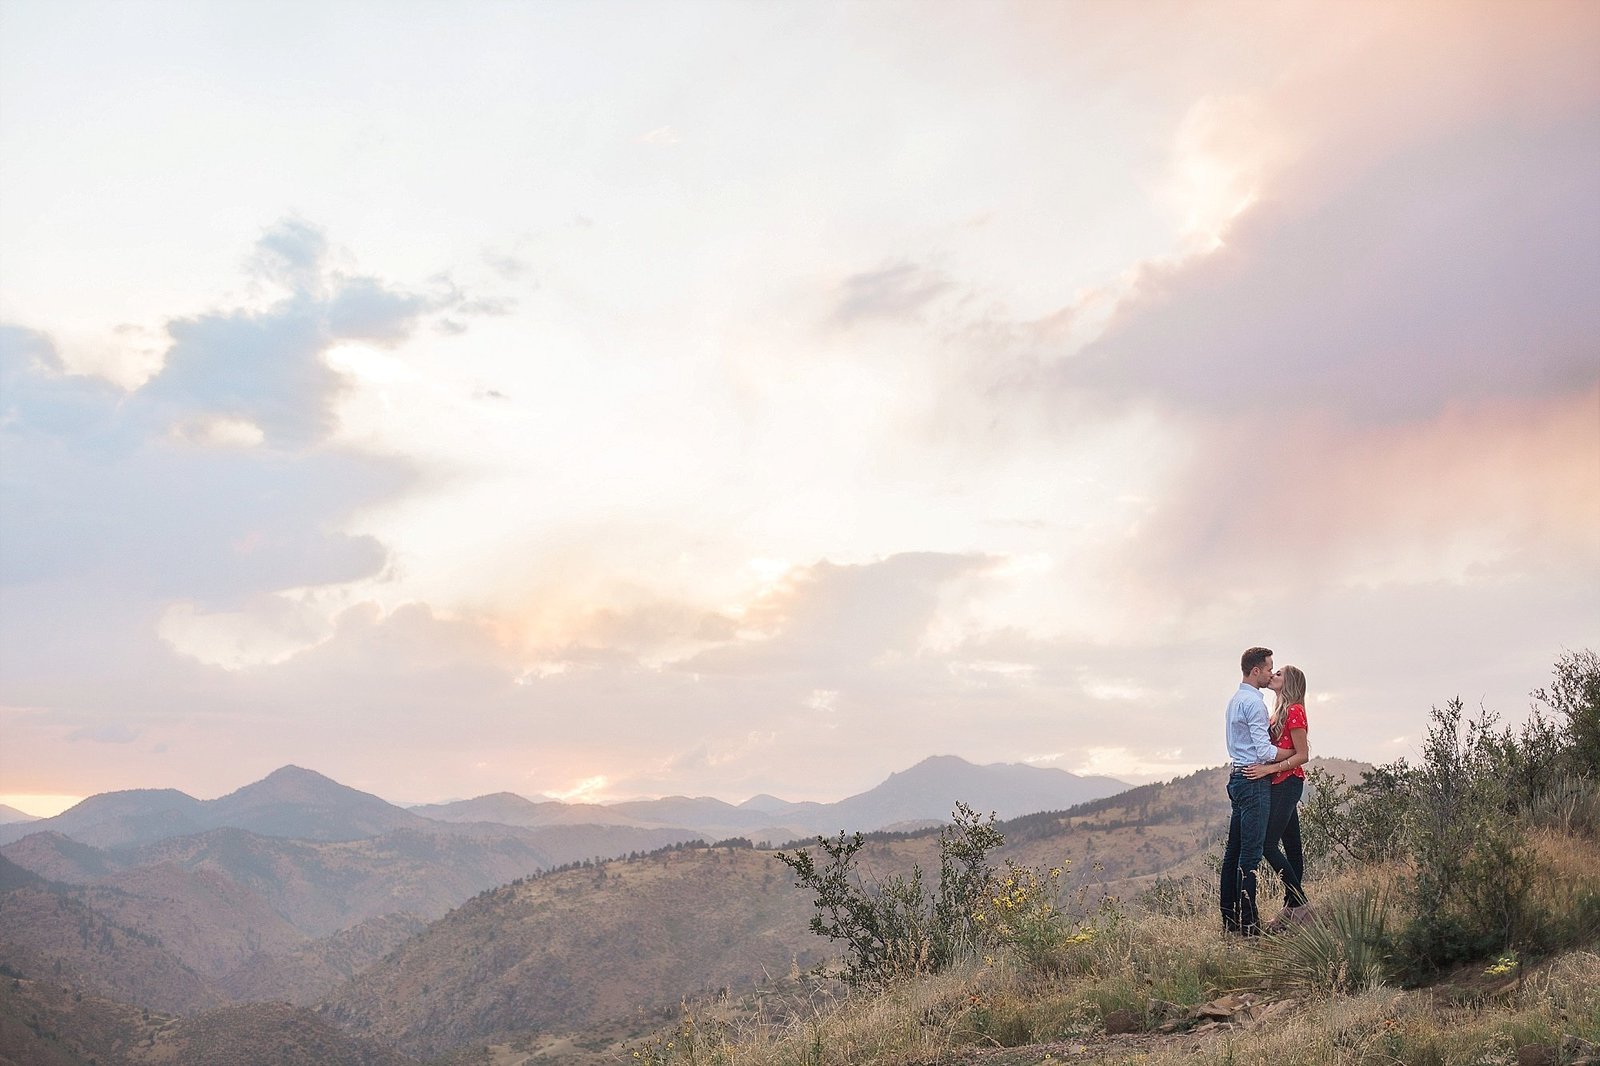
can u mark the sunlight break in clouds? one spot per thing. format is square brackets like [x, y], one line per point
[1225, 155]
[1132, 765]
[589, 790]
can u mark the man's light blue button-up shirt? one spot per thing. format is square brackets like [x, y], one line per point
[1247, 736]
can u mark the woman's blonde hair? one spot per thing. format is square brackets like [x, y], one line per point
[1292, 692]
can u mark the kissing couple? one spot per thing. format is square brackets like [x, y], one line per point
[1267, 752]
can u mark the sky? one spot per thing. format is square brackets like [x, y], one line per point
[605, 400]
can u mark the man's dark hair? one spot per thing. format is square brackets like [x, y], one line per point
[1254, 658]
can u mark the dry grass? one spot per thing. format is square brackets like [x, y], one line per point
[1568, 886]
[951, 1017]
[982, 1002]
[1137, 963]
[1420, 1028]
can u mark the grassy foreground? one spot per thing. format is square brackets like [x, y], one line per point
[1128, 993]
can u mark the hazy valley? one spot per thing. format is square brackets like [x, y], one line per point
[555, 940]
[428, 929]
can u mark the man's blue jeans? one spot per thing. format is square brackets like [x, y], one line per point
[1247, 836]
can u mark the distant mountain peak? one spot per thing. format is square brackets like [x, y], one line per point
[765, 802]
[937, 762]
[291, 772]
[293, 783]
[293, 801]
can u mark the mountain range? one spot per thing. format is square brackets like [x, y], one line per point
[914, 798]
[294, 883]
[290, 802]
[522, 923]
[300, 804]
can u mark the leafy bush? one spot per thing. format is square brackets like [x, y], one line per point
[1551, 767]
[892, 928]
[1472, 868]
[1575, 696]
[1343, 824]
[885, 929]
[1460, 821]
[1019, 910]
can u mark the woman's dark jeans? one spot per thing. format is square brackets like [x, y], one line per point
[1282, 848]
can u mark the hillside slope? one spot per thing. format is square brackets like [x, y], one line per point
[47, 934]
[569, 949]
[578, 950]
[202, 916]
[45, 1024]
[313, 970]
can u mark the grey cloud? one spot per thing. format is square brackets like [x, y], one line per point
[23, 351]
[100, 490]
[488, 307]
[509, 267]
[37, 395]
[106, 497]
[1385, 367]
[266, 368]
[1459, 268]
[291, 254]
[365, 309]
[841, 617]
[895, 292]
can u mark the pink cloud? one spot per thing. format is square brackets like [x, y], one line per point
[1485, 490]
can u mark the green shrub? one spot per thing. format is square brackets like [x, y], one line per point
[1344, 825]
[1550, 768]
[964, 878]
[1469, 893]
[892, 928]
[1461, 821]
[1575, 696]
[883, 927]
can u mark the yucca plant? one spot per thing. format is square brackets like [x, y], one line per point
[1341, 949]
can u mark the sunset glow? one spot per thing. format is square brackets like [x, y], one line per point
[601, 404]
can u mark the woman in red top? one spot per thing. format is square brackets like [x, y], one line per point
[1283, 852]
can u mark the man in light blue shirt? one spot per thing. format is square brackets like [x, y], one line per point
[1249, 791]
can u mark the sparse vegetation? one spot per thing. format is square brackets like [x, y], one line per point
[1464, 825]
[1475, 873]
[892, 928]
